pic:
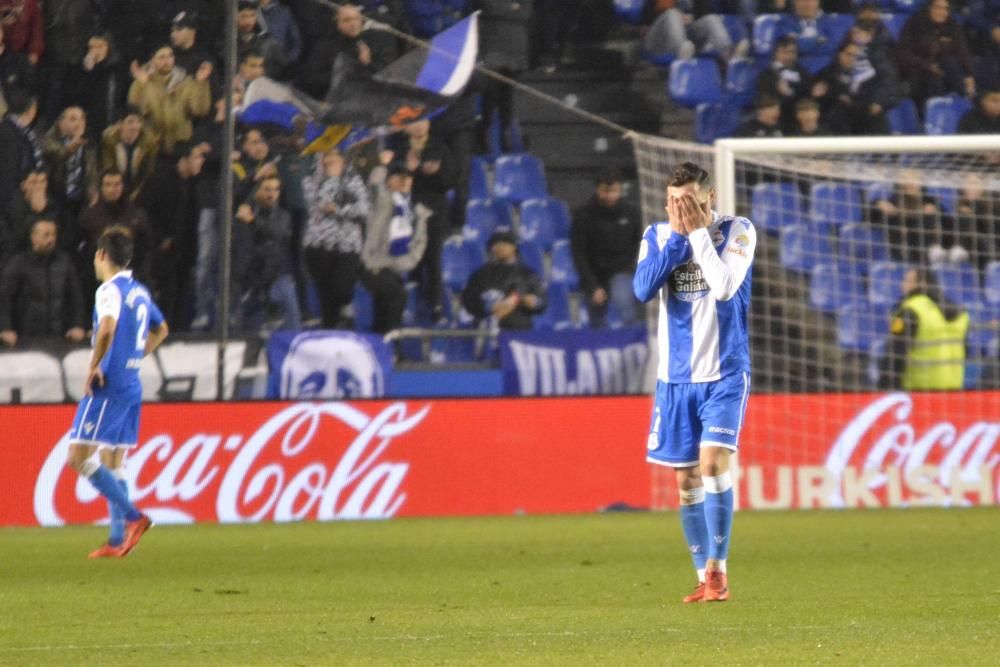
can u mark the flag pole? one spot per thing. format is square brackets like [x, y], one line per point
[226, 193]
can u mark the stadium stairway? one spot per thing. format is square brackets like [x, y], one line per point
[604, 80]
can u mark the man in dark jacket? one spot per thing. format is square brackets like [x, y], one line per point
[933, 54]
[785, 78]
[766, 121]
[854, 99]
[16, 73]
[504, 288]
[39, 291]
[261, 261]
[251, 36]
[985, 118]
[22, 152]
[604, 235]
[170, 198]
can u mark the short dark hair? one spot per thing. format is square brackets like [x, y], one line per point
[609, 176]
[806, 103]
[689, 172]
[117, 242]
[113, 171]
[252, 53]
[786, 40]
[19, 101]
[766, 100]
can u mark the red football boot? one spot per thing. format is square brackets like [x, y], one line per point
[105, 551]
[698, 594]
[716, 586]
[134, 531]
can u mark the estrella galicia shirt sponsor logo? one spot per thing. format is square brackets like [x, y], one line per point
[687, 282]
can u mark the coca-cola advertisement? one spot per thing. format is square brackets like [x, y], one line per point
[267, 461]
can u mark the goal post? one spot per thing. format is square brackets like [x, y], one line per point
[841, 221]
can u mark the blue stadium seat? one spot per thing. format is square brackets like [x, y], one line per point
[741, 82]
[860, 326]
[941, 114]
[991, 283]
[885, 283]
[456, 266]
[475, 251]
[484, 216]
[693, 81]
[629, 11]
[836, 27]
[426, 17]
[834, 204]
[364, 308]
[715, 120]
[861, 245]
[982, 338]
[894, 24]
[561, 218]
[537, 223]
[832, 286]
[802, 246]
[519, 177]
[908, 6]
[479, 182]
[532, 256]
[948, 198]
[736, 27]
[765, 28]
[959, 282]
[814, 63]
[495, 145]
[903, 118]
[563, 270]
[550, 212]
[557, 314]
[774, 206]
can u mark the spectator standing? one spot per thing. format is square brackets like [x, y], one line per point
[24, 28]
[504, 46]
[394, 245]
[456, 127]
[254, 164]
[131, 148]
[926, 350]
[169, 98]
[433, 169]
[113, 208]
[16, 73]
[283, 29]
[971, 233]
[22, 152]
[40, 292]
[72, 161]
[604, 235]
[189, 52]
[252, 36]
[98, 85]
[334, 237]
[934, 57]
[68, 26]
[35, 203]
[261, 262]
[504, 288]
[170, 199]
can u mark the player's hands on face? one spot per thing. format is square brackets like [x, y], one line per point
[9, 338]
[95, 378]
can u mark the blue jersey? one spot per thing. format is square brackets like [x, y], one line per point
[128, 302]
[703, 282]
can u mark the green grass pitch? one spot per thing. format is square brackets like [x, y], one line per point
[901, 587]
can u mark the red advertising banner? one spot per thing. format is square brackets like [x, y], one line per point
[245, 462]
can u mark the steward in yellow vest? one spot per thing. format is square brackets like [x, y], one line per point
[926, 348]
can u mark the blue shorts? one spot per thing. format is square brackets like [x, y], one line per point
[106, 421]
[686, 416]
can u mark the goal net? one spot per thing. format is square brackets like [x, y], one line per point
[853, 403]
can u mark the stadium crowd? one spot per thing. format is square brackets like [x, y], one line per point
[113, 114]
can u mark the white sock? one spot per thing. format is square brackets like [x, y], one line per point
[90, 466]
[721, 566]
[701, 575]
[719, 483]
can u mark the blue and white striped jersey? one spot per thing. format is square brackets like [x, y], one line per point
[127, 301]
[703, 281]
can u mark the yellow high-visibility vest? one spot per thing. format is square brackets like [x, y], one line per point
[936, 357]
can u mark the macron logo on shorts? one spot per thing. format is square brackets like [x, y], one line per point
[720, 429]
